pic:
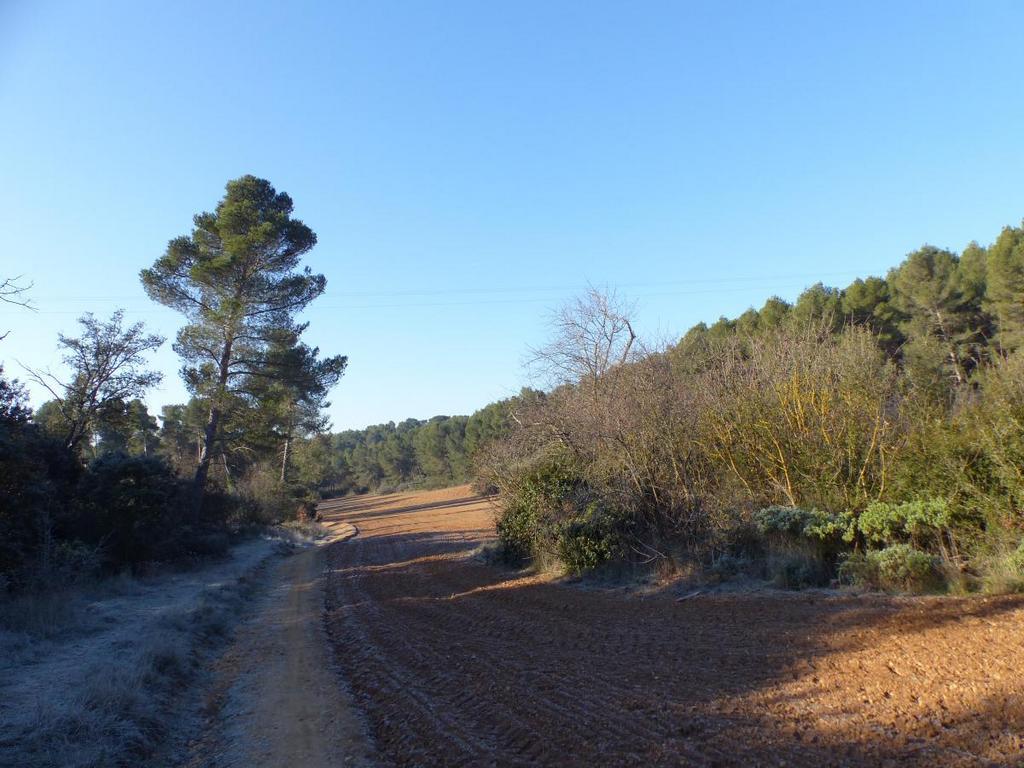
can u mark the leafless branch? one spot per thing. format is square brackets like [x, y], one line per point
[12, 292]
[590, 336]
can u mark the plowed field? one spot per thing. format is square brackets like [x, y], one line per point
[455, 662]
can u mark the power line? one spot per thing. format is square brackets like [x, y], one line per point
[391, 293]
[471, 303]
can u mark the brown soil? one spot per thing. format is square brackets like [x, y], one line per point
[455, 662]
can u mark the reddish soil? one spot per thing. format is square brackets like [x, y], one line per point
[455, 662]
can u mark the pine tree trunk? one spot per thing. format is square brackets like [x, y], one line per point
[227, 473]
[203, 467]
[284, 459]
[210, 433]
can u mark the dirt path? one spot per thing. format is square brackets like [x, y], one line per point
[276, 699]
[458, 663]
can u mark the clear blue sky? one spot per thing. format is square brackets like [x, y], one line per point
[467, 166]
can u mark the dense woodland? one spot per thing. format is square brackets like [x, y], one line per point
[872, 434]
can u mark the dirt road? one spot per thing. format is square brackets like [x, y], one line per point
[454, 662]
[276, 699]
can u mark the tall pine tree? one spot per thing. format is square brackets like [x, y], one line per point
[237, 280]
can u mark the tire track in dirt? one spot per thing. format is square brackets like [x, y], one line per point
[274, 699]
[459, 663]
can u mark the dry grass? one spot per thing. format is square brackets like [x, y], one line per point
[304, 532]
[91, 677]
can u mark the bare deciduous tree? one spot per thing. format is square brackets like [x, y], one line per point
[13, 292]
[106, 365]
[590, 336]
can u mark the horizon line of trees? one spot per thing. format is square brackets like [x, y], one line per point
[434, 452]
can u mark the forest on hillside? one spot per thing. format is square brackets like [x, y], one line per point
[872, 434]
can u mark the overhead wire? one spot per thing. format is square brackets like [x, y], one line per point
[722, 285]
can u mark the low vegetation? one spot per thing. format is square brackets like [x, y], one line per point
[95, 674]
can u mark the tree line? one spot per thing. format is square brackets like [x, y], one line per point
[434, 452]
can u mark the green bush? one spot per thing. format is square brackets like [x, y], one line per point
[517, 530]
[802, 544]
[135, 510]
[917, 520]
[542, 497]
[592, 538]
[787, 525]
[550, 512]
[857, 570]
[896, 568]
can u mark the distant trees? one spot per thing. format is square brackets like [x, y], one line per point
[181, 434]
[939, 310]
[129, 428]
[292, 400]
[1004, 295]
[237, 280]
[439, 451]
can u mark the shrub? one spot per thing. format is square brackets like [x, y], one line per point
[925, 523]
[541, 498]
[891, 523]
[133, 508]
[1016, 559]
[804, 415]
[796, 570]
[727, 565]
[1004, 571]
[788, 525]
[306, 512]
[903, 567]
[857, 570]
[802, 544]
[36, 479]
[591, 538]
[517, 530]
[896, 568]
[995, 422]
[549, 511]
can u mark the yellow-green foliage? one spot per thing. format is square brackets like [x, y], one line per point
[804, 419]
[922, 521]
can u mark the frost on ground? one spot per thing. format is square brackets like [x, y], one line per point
[92, 677]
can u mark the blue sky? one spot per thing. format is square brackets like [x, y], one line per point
[468, 166]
